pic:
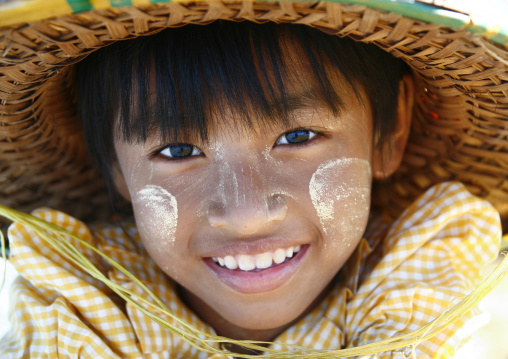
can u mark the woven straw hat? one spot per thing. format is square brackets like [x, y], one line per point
[460, 124]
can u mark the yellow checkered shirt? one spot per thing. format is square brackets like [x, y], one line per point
[403, 275]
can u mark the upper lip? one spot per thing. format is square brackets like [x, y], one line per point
[251, 246]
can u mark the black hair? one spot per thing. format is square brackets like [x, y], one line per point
[181, 81]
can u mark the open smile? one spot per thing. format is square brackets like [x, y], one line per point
[261, 261]
[257, 273]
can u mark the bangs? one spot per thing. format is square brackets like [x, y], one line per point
[181, 82]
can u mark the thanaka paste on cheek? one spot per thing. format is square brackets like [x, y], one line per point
[159, 210]
[340, 193]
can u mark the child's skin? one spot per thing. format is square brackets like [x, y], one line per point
[249, 192]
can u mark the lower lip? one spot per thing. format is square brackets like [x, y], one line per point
[260, 280]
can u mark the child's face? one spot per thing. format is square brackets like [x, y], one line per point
[252, 196]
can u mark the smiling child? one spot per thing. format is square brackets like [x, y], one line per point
[247, 216]
[248, 155]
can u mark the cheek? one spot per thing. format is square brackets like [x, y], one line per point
[340, 192]
[156, 215]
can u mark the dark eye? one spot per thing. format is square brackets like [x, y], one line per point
[178, 151]
[294, 137]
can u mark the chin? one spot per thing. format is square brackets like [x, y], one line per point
[267, 314]
[255, 321]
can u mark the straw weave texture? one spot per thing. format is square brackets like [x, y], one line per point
[459, 128]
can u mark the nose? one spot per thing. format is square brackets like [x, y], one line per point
[246, 204]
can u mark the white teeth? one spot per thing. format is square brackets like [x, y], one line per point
[230, 262]
[260, 261]
[263, 260]
[246, 262]
[279, 256]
